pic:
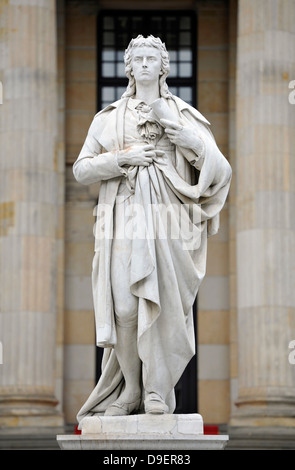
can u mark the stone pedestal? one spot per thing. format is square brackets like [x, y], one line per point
[142, 432]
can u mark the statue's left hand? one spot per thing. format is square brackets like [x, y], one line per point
[182, 136]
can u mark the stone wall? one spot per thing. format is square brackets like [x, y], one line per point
[214, 299]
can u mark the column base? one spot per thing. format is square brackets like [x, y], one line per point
[142, 432]
[29, 412]
[262, 421]
[264, 412]
[8, 423]
[263, 424]
[261, 437]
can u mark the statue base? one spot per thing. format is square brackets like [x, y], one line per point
[143, 432]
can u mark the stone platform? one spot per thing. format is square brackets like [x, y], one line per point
[143, 432]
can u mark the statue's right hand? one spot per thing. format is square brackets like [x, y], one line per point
[137, 155]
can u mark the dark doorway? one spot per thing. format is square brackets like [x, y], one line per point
[116, 29]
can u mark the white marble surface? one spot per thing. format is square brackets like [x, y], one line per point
[142, 432]
[174, 179]
[172, 424]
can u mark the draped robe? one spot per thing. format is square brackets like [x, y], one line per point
[165, 272]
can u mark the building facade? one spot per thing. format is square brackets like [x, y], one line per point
[61, 61]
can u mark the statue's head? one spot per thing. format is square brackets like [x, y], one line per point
[149, 41]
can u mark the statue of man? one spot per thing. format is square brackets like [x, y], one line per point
[163, 182]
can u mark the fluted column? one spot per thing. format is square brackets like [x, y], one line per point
[265, 204]
[29, 198]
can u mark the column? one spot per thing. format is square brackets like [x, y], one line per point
[265, 223]
[30, 197]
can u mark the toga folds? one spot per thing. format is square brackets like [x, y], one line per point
[173, 206]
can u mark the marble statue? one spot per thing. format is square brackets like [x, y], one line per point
[163, 182]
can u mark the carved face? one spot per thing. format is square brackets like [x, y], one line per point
[146, 64]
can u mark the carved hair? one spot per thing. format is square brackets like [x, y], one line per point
[150, 41]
